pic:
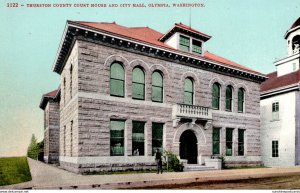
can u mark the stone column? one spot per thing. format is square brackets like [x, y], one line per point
[148, 138]
[128, 138]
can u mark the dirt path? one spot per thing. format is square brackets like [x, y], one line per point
[287, 182]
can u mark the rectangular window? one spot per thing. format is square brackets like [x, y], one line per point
[275, 111]
[71, 139]
[138, 139]
[117, 128]
[64, 140]
[229, 132]
[184, 43]
[241, 141]
[216, 141]
[157, 137]
[294, 67]
[196, 47]
[275, 152]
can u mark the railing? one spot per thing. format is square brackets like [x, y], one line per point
[191, 111]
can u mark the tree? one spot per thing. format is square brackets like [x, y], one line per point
[33, 148]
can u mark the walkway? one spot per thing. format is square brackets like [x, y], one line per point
[49, 177]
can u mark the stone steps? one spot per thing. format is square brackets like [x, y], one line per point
[197, 167]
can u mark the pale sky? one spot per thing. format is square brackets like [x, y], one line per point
[249, 32]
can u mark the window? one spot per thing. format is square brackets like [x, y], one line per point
[196, 47]
[275, 152]
[216, 141]
[184, 43]
[71, 139]
[229, 98]
[138, 138]
[71, 79]
[157, 137]
[275, 111]
[64, 85]
[188, 91]
[241, 98]
[117, 77]
[229, 148]
[157, 87]
[64, 140]
[241, 141]
[216, 96]
[117, 137]
[138, 84]
[294, 66]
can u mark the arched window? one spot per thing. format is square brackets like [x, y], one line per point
[188, 91]
[157, 87]
[229, 98]
[138, 84]
[117, 80]
[241, 100]
[216, 96]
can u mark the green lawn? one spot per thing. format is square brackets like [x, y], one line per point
[14, 170]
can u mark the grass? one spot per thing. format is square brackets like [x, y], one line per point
[14, 170]
[120, 172]
[243, 167]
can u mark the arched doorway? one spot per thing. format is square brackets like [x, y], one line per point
[188, 147]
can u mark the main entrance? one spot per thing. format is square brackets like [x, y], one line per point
[188, 147]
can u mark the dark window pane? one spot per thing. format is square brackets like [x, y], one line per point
[229, 141]
[138, 138]
[184, 43]
[216, 141]
[216, 96]
[196, 47]
[228, 98]
[157, 137]
[241, 142]
[117, 138]
[241, 96]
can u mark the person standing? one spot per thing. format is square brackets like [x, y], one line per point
[158, 161]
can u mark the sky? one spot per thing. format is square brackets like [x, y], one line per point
[249, 32]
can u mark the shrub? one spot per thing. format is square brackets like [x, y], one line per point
[173, 162]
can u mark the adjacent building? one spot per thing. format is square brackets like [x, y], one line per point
[280, 107]
[127, 91]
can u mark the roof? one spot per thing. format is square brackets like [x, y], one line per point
[275, 82]
[296, 23]
[151, 36]
[46, 97]
[293, 28]
[186, 30]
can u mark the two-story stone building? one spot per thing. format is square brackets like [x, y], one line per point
[126, 91]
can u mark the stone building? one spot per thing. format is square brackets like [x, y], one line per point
[126, 91]
[280, 107]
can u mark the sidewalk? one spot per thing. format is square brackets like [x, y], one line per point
[49, 177]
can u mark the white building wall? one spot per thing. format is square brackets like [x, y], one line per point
[282, 130]
[173, 41]
[288, 67]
